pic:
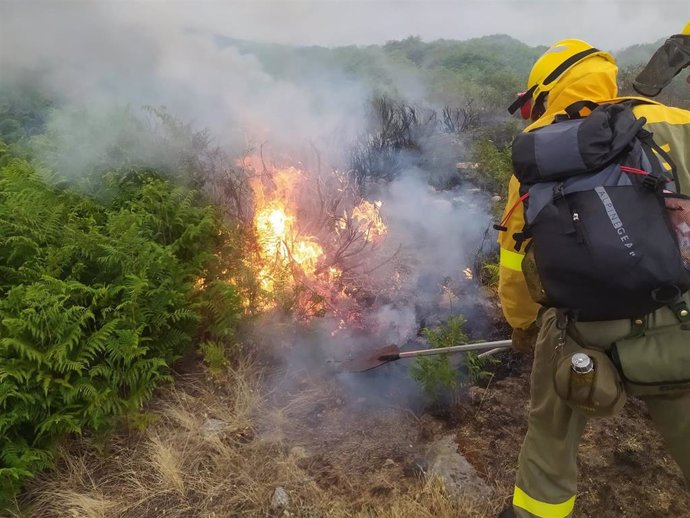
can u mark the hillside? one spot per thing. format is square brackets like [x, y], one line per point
[198, 237]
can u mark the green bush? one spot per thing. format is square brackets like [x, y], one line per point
[435, 373]
[214, 357]
[495, 165]
[489, 274]
[97, 299]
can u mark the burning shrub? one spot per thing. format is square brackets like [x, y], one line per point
[403, 137]
[458, 120]
[316, 240]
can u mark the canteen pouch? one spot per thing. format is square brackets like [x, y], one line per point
[603, 396]
[656, 363]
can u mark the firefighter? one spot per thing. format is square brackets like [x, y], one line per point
[546, 482]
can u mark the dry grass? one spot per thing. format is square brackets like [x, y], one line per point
[178, 468]
[336, 458]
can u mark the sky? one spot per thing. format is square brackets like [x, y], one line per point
[607, 24]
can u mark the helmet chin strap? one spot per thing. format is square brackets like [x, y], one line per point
[522, 98]
[529, 109]
[539, 107]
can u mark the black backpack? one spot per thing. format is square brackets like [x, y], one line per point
[607, 237]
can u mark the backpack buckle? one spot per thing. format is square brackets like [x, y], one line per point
[652, 182]
[558, 191]
[519, 238]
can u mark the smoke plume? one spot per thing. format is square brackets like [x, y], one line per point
[99, 59]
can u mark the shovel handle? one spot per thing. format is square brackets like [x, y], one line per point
[502, 344]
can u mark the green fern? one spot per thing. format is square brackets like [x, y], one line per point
[97, 300]
[214, 357]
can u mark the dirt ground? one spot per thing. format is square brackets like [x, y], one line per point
[625, 470]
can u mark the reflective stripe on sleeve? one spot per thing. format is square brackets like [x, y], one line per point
[511, 259]
[542, 509]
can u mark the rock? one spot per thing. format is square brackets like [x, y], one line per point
[467, 166]
[388, 462]
[495, 199]
[456, 473]
[213, 426]
[280, 499]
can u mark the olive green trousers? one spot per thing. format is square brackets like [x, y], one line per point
[546, 482]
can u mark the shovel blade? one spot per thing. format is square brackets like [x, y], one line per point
[371, 360]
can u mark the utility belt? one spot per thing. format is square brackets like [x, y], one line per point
[646, 356]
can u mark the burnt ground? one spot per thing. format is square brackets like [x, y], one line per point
[371, 448]
[625, 470]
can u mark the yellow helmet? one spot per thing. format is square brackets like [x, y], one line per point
[561, 57]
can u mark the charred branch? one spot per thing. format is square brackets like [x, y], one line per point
[395, 138]
[457, 120]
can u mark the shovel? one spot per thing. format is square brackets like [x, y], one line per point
[391, 353]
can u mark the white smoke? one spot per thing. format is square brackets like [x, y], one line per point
[99, 57]
[437, 226]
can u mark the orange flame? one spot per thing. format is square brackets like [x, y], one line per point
[292, 266]
[283, 252]
[279, 246]
[366, 218]
[368, 215]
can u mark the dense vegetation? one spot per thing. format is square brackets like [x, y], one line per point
[99, 295]
[461, 88]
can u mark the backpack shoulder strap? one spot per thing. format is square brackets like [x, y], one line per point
[573, 110]
[649, 145]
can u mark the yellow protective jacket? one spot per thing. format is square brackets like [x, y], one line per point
[593, 79]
